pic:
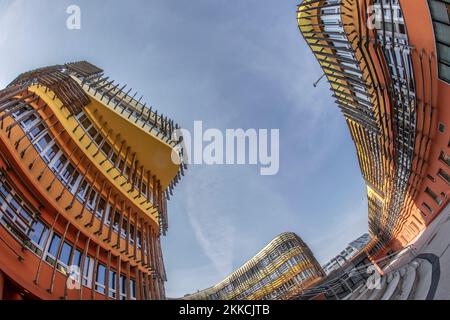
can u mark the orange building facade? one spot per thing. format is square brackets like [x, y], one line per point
[388, 65]
[85, 174]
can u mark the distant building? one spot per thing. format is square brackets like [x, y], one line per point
[361, 242]
[347, 254]
[283, 268]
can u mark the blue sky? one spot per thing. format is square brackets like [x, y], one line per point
[231, 64]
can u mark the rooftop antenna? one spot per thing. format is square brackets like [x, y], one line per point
[317, 82]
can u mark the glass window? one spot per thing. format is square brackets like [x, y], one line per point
[5, 190]
[139, 237]
[51, 152]
[444, 52]
[39, 234]
[445, 158]
[113, 157]
[21, 210]
[59, 163]
[116, 219]
[444, 71]
[13, 207]
[19, 112]
[106, 148]
[124, 227]
[444, 175]
[123, 287]
[92, 132]
[433, 195]
[132, 289]
[112, 284]
[64, 257]
[87, 271]
[36, 131]
[101, 205]
[74, 179]
[131, 232]
[43, 142]
[54, 245]
[76, 260]
[442, 32]
[29, 120]
[121, 165]
[20, 216]
[82, 193]
[100, 279]
[426, 206]
[439, 10]
[67, 172]
[92, 198]
[85, 122]
[99, 139]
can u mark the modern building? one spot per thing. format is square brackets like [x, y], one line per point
[347, 254]
[85, 175]
[388, 66]
[360, 243]
[281, 269]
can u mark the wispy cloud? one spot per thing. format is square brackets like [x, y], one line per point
[188, 280]
[9, 16]
[212, 227]
[341, 230]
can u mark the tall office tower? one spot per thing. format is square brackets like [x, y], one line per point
[281, 270]
[388, 65]
[85, 175]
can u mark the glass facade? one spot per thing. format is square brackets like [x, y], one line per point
[283, 267]
[440, 13]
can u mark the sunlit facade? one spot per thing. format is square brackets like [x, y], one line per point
[388, 65]
[280, 270]
[85, 175]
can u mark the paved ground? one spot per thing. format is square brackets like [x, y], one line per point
[436, 240]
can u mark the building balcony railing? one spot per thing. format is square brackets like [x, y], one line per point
[73, 82]
[379, 64]
[75, 207]
[122, 102]
[132, 182]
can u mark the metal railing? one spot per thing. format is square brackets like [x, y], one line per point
[352, 279]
